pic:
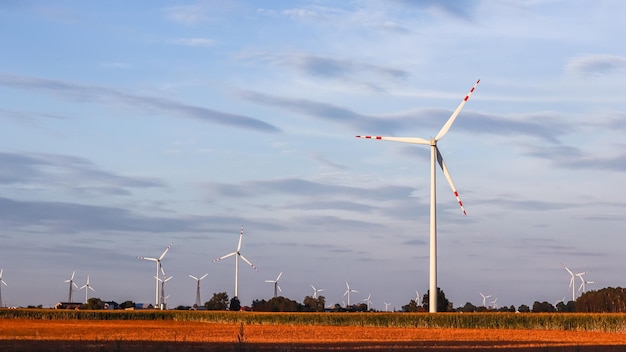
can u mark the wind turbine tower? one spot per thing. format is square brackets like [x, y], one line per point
[237, 255]
[368, 300]
[275, 282]
[87, 287]
[1, 283]
[572, 280]
[158, 268]
[198, 301]
[435, 157]
[348, 291]
[72, 284]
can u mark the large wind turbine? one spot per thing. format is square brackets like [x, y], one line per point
[87, 287]
[158, 268]
[368, 300]
[165, 279]
[582, 286]
[484, 299]
[348, 291]
[1, 283]
[275, 282]
[237, 254]
[435, 156]
[198, 303]
[71, 282]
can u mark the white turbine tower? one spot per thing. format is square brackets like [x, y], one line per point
[237, 254]
[1, 283]
[72, 284]
[435, 156]
[484, 299]
[348, 291]
[163, 304]
[387, 306]
[158, 268]
[87, 287]
[198, 300]
[316, 290]
[275, 282]
[368, 300]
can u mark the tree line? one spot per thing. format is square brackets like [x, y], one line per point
[606, 300]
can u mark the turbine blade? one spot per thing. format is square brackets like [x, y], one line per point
[278, 278]
[247, 261]
[203, 276]
[150, 259]
[166, 249]
[456, 112]
[412, 140]
[226, 256]
[89, 287]
[240, 236]
[569, 271]
[73, 283]
[278, 287]
[2, 281]
[72, 278]
[446, 173]
[193, 277]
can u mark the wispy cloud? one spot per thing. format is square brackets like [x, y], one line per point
[597, 64]
[72, 174]
[194, 42]
[101, 94]
[371, 76]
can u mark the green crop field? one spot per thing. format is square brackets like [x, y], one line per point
[542, 321]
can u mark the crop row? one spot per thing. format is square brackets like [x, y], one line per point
[545, 321]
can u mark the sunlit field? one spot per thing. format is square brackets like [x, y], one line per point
[247, 331]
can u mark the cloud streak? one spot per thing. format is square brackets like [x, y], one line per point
[79, 92]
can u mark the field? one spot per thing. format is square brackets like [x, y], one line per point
[205, 332]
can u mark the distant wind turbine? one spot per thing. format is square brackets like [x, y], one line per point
[493, 303]
[1, 283]
[275, 282]
[87, 287]
[348, 291]
[316, 290]
[417, 297]
[198, 300]
[387, 306]
[571, 281]
[368, 300]
[163, 280]
[582, 286]
[237, 254]
[435, 156]
[158, 268]
[484, 299]
[72, 284]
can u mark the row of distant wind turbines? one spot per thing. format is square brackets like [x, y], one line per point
[160, 280]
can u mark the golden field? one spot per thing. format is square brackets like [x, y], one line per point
[19, 334]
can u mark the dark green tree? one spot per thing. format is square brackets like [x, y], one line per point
[93, 304]
[127, 304]
[468, 308]
[443, 305]
[543, 307]
[219, 301]
[235, 305]
[606, 300]
[523, 309]
[411, 307]
[311, 304]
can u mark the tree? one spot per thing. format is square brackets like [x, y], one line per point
[235, 305]
[93, 304]
[411, 307]
[523, 309]
[443, 305]
[468, 308]
[311, 304]
[127, 304]
[543, 307]
[219, 301]
[606, 300]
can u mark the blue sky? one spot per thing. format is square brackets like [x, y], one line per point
[130, 125]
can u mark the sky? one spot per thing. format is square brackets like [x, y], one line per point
[127, 126]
